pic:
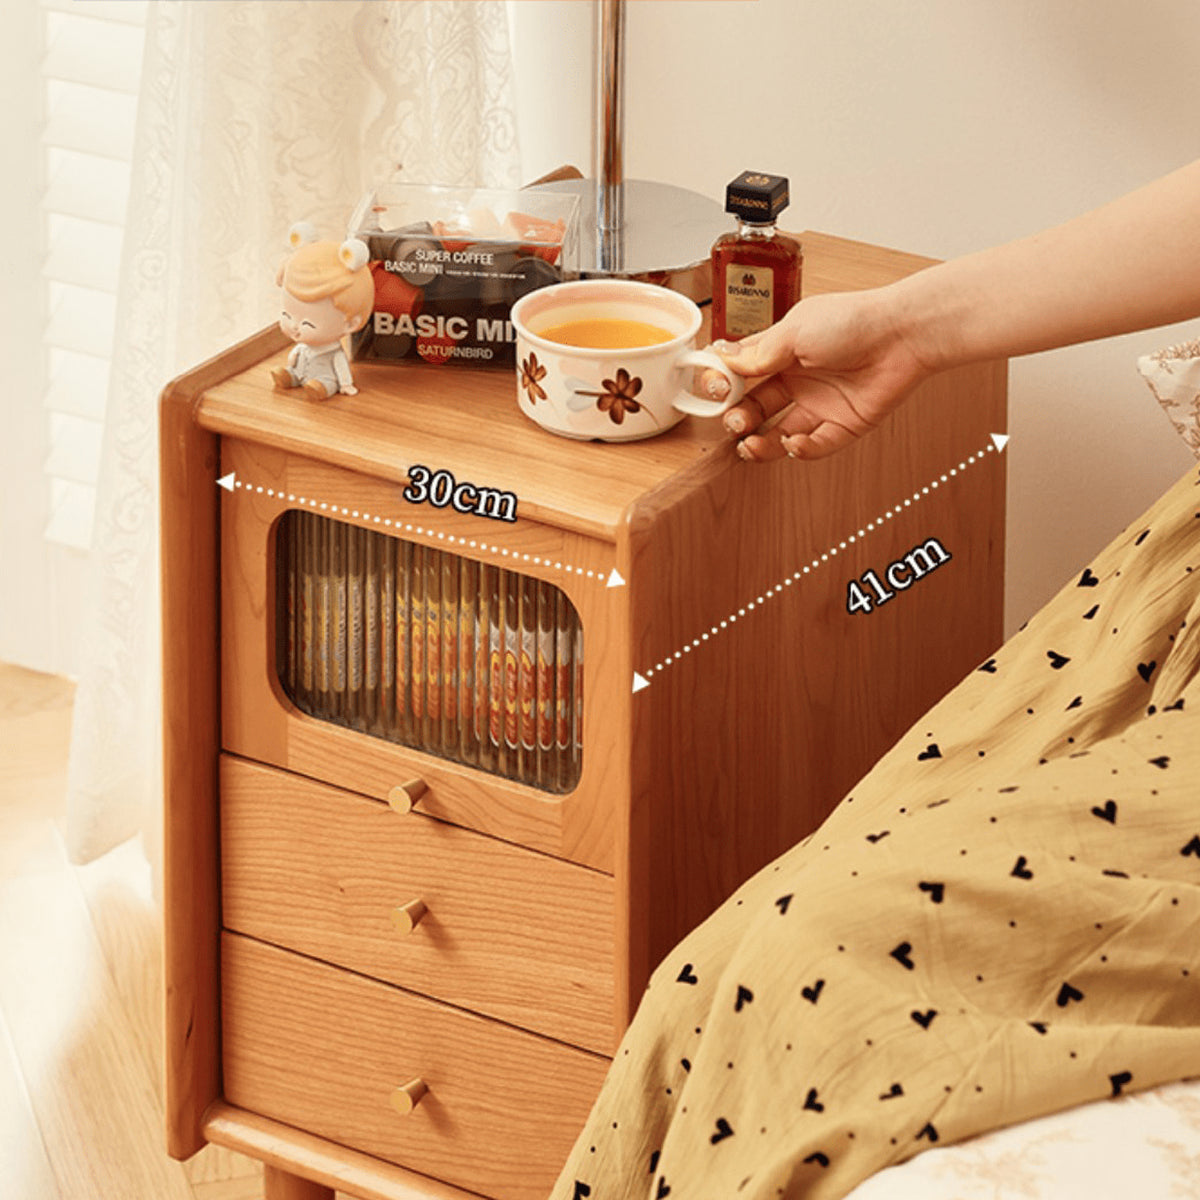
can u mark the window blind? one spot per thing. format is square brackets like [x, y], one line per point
[90, 77]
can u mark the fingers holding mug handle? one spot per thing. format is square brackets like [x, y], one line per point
[698, 406]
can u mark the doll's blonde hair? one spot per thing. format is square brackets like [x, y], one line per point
[327, 270]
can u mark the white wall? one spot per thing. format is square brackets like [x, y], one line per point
[937, 127]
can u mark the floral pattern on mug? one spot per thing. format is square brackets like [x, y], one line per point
[532, 374]
[618, 396]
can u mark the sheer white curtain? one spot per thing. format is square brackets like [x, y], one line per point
[252, 114]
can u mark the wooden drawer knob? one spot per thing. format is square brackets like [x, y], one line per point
[404, 795]
[408, 916]
[408, 1095]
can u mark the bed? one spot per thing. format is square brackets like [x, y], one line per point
[1146, 1144]
[989, 951]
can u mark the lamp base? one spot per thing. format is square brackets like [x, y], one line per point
[664, 238]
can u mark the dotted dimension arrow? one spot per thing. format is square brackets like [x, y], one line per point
[231, 483]
[641, 680]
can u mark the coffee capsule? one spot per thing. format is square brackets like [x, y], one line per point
[474, 274]
[416, 254]
[393, 294]
[389, 346]
[532, 272]
[378, 245]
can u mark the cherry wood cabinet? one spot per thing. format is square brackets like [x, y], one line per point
[397, 967]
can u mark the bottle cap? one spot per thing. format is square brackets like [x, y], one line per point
[756, 197]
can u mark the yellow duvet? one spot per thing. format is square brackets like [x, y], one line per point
[1002, 920]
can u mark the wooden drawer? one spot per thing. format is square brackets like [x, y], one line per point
[259, 721]
[507, 932]
[324, 1050]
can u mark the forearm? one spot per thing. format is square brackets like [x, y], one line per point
[1132, 264]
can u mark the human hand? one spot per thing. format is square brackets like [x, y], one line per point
[834, 367]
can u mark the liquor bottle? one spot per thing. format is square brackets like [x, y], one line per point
[756, 270]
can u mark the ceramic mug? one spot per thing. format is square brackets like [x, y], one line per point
[619, 393]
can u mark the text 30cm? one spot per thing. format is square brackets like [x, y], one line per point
[442, 490]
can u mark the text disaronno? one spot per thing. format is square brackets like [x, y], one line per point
[761, 293]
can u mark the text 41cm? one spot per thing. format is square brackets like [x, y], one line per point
[868, 591]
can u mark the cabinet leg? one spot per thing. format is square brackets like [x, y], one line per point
[280, 1185]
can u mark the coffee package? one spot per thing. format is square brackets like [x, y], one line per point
[449, 263]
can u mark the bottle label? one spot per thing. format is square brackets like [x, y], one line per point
[749, 299]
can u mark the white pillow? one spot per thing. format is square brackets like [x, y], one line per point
[1144, 1145]
[1174, 378]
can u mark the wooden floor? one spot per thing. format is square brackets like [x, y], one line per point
[80, 993]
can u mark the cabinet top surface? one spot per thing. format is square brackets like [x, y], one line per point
[465, 420]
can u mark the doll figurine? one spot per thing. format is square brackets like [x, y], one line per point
[328, 292]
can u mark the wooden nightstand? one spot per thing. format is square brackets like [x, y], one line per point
[403, 935]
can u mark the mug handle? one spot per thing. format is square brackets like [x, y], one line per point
[698, 406]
